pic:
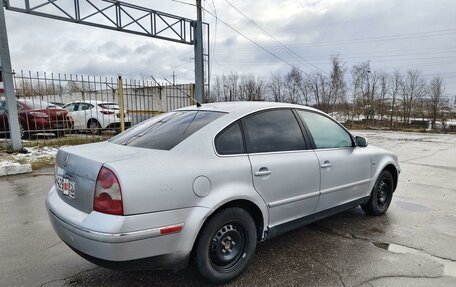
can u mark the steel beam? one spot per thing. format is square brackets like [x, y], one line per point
[7, 75]
[117, 15]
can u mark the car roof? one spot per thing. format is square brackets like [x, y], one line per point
[241, 108]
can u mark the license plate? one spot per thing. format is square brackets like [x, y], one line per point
[66, 186]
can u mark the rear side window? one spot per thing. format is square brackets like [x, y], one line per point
[84, 107]
[230, 141]
[166, 131]
[274, 130]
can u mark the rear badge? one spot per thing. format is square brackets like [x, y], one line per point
[65, 161]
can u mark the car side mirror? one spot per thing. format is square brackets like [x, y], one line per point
[361, 141]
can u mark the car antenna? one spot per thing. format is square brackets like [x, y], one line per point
[192, 98]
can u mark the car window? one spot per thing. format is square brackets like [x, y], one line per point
[274, 130]
[166, 131]
[2, 105]
[230, 141]
[71, 107]
[109, 106]
[325, 132]
[84, 107]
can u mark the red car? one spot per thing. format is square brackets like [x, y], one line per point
[37, 116]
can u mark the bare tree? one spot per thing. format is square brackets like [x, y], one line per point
[395, 86]
[414, 88]
[277, 87]
[382, 92]
[251, 88]
[361, 88]
[437, 89]
[337, 86]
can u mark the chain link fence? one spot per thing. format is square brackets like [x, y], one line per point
[61, 109]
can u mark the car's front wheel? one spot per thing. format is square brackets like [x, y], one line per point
[381, 194]
[226, 245]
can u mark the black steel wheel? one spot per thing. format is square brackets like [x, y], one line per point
[381, 195]
[226, 245]
[94, 127]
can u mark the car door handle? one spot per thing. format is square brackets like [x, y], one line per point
[326, 164]
[262, 172]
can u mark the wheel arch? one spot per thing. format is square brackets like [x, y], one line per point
[392, 169]
[90, 120]
[253, 209]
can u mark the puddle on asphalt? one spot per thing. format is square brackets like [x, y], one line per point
[412, 206]
[449, 267]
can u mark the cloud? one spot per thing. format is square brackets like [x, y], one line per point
[392, 34]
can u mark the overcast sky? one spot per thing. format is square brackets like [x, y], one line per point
[391, 34]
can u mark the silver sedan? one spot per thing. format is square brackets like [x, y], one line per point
[211, 182]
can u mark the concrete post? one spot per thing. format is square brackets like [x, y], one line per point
[7, 74]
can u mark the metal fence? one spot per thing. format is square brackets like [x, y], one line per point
[59, 109]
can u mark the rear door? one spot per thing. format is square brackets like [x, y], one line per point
[284, 172]
[345, 168]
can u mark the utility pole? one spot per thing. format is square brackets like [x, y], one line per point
[7, 75]
[199, 60]
[174, 78]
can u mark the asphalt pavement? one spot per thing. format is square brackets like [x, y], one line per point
[414, 244]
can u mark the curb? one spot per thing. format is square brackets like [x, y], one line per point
[15, 168]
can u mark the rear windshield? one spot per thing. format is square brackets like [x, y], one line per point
[109, 106]
[165, 131]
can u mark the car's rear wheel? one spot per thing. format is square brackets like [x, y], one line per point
[94, 127]
[226, 245]
[381, 195]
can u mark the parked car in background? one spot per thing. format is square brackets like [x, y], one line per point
[96, 115]
[37, 116]
[210, 182]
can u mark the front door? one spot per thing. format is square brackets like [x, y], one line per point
[345, 168]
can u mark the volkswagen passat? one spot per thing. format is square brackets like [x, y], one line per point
[212, 181]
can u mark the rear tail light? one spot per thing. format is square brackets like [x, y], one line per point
[104, 112]
[108, 196]
[39, 115]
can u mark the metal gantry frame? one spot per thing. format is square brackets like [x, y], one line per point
[107, 14]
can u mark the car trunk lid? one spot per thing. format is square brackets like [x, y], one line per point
[77, 169]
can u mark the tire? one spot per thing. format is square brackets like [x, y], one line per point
[59, 134]
[226, 245]
[94, 127]
[25, 135]
[381, 195]
[22, 131]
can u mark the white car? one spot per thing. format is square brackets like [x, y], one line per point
[96, 115]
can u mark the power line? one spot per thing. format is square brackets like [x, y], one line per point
[273, 38]
[250, 40]
[183, 2]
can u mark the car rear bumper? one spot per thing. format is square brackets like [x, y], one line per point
[126, 242]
